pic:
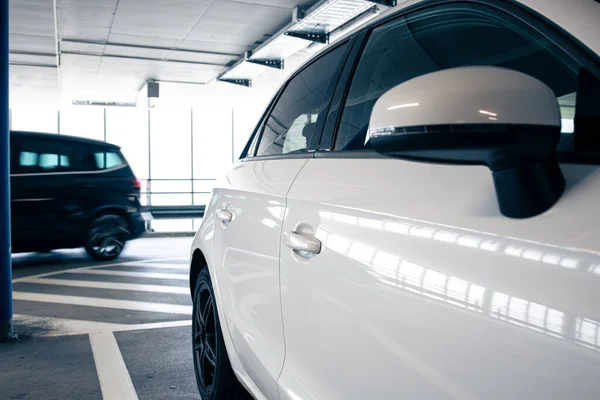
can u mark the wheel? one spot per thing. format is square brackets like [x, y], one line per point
[107, 236]
[214, 376]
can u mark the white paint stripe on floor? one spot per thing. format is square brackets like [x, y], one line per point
[154, 325]
[155, 275]
[66, 327]
[79, 269]
[104, 303]
[161, 265]
[114, 285]
[114, 378]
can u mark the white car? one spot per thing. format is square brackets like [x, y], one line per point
[416, 216]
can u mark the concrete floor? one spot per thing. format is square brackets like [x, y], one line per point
[88, 330]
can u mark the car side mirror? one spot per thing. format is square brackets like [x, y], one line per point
[497, 117]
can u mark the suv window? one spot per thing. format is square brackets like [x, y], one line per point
[108, 159]
[302, 104]
[451, 36]
[43, 156]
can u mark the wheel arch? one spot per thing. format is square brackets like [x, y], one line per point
[111, 209]
[197, 264]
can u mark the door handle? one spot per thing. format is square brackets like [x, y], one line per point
[298, 242]
[224, 216]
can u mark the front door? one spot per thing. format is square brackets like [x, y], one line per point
[251, 207]
[421, 289]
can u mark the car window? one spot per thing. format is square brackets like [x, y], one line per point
[302, 104]
[108, 159]
[45, 156]
[451, 36]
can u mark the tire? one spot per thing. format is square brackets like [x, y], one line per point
[107, 236]
[214, 376]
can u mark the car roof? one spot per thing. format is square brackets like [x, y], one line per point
[68, 138]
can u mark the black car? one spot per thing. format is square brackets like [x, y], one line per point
[70, 192]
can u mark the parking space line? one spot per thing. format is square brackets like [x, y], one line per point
[156, 275]
[113, 285]
[81, 269]
[65, 327]
[153, 325]
[103, 303]
[161, 265]
[113, 375]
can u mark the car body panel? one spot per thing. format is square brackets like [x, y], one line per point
[246, 264]
[423, 289]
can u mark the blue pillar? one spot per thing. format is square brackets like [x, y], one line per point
[5, 263]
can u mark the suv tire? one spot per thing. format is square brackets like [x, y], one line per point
[107, 236]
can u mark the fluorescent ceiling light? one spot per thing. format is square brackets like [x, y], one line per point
[324, 22]
[102, 103]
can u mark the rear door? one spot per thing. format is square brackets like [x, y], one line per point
[421, 288]
[251, 208]
[45, 198]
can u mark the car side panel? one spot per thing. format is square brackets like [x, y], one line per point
[423, 290]
[246, 264]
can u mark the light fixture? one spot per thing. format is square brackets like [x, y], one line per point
[102, 103]
[315, 28]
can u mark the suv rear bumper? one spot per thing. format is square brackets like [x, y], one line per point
[137, 225]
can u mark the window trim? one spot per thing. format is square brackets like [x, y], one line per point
[569, 44]
[349, 42]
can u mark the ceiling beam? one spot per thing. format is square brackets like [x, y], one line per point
[31, 53]
[143, 47]
[167, 60]
[26, 64]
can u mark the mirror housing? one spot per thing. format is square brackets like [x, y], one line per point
[493, 116]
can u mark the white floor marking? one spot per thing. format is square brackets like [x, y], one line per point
[66, 327]
[80, 269]
[154, 325]
[113, 285]
[104, 303]
[113, 375]
[184, 267]
[114, 378]
[155, 275]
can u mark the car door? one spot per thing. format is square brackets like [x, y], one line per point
[401, 279]
[42, 191]
[251, 206]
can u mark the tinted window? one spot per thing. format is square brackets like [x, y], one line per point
[43, 156]
[106, 160]
[292, 121]
[447, 37]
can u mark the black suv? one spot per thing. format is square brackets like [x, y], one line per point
[70, 192]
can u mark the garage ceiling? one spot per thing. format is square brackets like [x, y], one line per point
[105, 50]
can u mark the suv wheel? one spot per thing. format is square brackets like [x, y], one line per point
[107, 236]
[214, 376]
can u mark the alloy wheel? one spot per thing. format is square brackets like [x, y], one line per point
[108, 234]
[205, 338]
